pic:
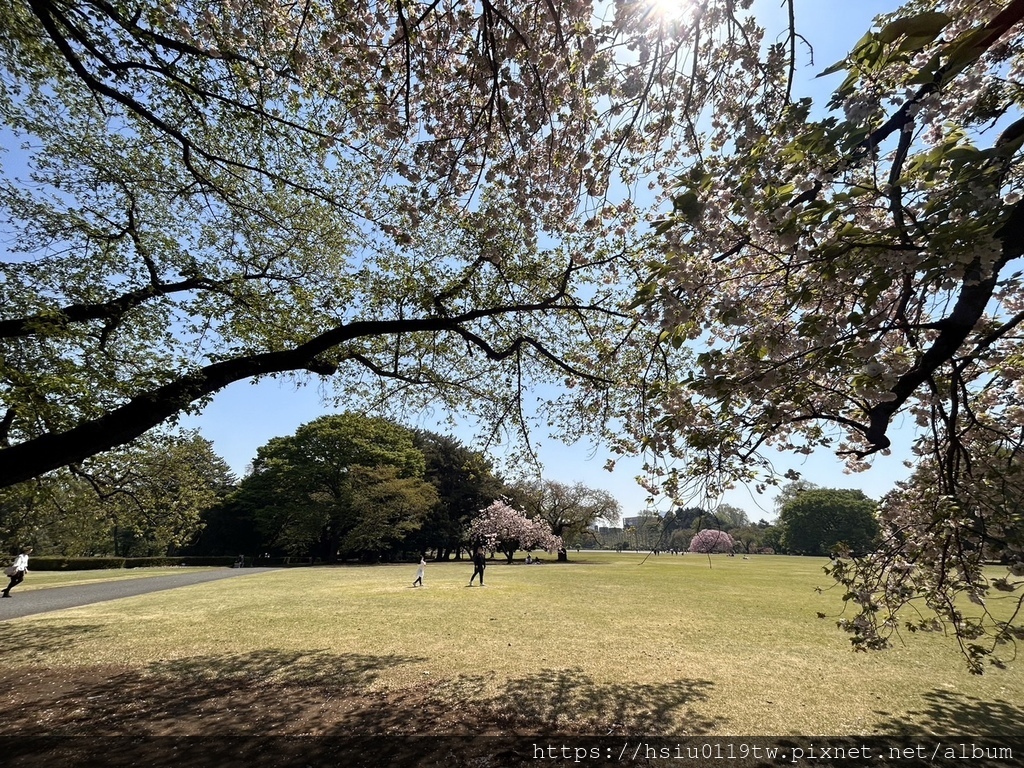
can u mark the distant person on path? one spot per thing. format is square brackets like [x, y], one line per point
[420, 571]
[479, 563]
[17, 571]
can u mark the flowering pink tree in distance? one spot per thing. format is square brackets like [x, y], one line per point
[499, 527]
[710, 541]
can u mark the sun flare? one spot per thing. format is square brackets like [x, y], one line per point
[669, 10]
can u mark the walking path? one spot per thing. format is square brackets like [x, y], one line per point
[29, 602]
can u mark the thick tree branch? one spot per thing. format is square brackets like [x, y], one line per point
[49, 451]
[112, 310]
[975, 294]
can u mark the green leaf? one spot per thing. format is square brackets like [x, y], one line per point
[642, 296]
[839, 66]
[963, 52]
[688, 205]
[661, 226]
[915, 43]
[927, 73]
[928, 24]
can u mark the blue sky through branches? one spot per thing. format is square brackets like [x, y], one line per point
[245, 415]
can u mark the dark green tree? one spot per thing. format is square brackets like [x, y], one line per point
[465, 483]
[748, 538]
[729, 517]
[771, 538]
[230, 527]
[387, 508]
[818, 521]
[20, 509]
[683, 519]
[142, 499]
[790, 491]
[308, 491]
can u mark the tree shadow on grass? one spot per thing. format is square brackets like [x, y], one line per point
[568, 700]
[974, 729]
[281, 708]
[278, 667]
[951, 730]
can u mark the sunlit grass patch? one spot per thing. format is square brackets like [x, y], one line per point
[45, 579]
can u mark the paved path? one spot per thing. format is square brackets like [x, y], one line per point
[28, 602]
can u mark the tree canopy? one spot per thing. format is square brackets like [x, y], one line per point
[710, 540]
[501, 527]
[982, 525]
[465, 483]
[818, 521]
[342, 484]
[828, 270]
[844, 263]
[569, 510]
[411, 199]
[144, 498]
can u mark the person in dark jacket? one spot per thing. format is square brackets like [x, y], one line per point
[479, 563]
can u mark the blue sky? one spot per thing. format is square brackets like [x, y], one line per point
[246, 415]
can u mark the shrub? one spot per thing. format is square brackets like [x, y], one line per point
[59, 563]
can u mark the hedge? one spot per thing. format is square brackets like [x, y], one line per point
[44, 563]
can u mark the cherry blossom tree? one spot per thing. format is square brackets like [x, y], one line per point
[711, 540]
[829, 269]
[412, 199]
[925, 532]
[500, 527]
[569, 510]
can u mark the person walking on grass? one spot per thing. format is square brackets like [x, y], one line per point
[479, 563]
[17, 571]
[420, 571]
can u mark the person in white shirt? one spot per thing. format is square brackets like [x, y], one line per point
[420, 571]
[17, 571]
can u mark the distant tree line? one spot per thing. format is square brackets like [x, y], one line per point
[676, 530]
[352, 487]
[342, 487]
[810, 521]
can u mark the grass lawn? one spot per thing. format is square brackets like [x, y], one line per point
[296, 664]
[607, 644]
[46, 579]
